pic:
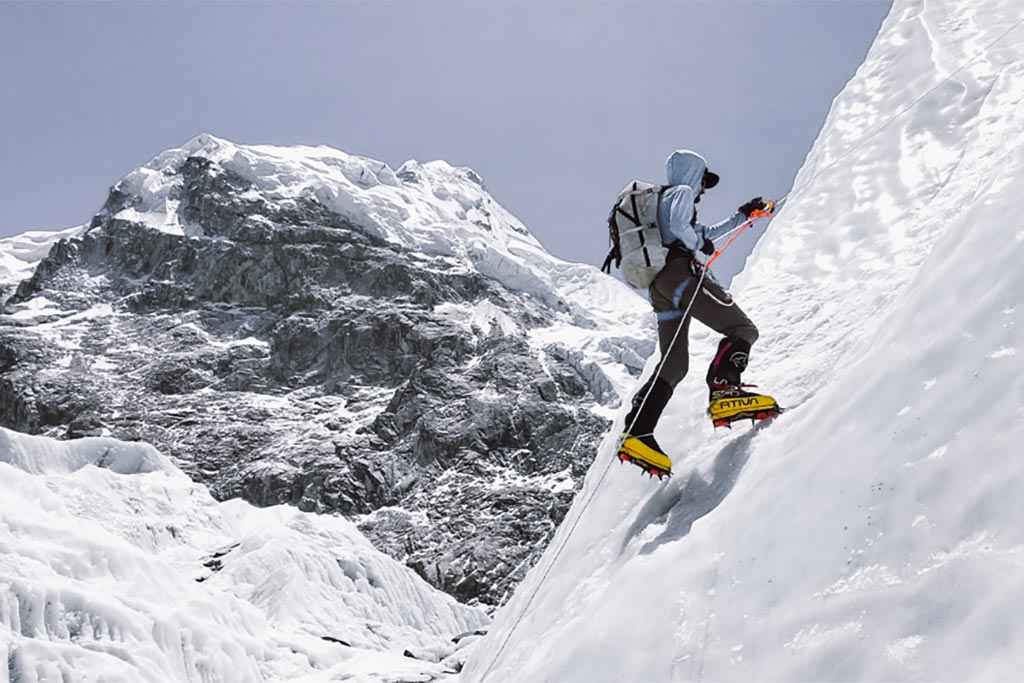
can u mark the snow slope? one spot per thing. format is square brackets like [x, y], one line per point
[114, 566]
[873, 531]
[20, 254]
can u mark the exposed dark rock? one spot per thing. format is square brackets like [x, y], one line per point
[280, 352]
[329, 639]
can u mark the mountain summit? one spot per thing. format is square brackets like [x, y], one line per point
[299, 325]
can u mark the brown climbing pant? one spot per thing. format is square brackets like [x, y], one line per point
[671, 292]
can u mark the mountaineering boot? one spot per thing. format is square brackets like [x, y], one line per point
[638, 444]
[728, 401]
[729, 363]
[645, 453]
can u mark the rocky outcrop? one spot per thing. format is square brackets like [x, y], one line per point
[286, 353]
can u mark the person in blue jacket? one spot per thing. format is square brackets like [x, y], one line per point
[671, 292]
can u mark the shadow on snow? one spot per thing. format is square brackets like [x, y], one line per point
[678, 507]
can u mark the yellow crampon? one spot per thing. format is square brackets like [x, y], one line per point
[651, 461]
[729, 409]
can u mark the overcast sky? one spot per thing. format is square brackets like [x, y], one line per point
[556, 105]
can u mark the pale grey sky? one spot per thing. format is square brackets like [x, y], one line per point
[556, 105]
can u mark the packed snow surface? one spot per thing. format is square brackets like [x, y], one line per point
[114, 566]
[20, 254]
[872, 532]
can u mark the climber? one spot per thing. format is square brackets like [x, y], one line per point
[671, 291]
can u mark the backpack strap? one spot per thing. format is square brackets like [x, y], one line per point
[615, 253]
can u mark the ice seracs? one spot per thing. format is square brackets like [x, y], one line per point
[115, 566]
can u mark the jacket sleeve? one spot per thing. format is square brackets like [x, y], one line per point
[713, 232]
[680, 212]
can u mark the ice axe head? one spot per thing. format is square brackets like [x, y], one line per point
[766, 212]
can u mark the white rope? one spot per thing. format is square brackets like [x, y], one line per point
[597, 486]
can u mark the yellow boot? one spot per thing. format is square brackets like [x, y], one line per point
[732, 403]
[645, 452]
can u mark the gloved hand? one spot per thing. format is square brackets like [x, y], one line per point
[755, 204]
[708, 247]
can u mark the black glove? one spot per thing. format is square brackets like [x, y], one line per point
[708, 247]
[755, 204]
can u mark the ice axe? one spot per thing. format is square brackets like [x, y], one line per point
[755, 215]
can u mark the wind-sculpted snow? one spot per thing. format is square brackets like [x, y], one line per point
[20, 254]
[873, 531]
[114, 566]
[55, 457]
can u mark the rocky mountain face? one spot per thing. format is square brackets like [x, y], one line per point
[297, 325]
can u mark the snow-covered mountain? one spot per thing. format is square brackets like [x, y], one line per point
[872, 532]
[299, 325]
[115, 566]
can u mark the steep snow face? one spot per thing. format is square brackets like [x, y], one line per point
[114, 566]
[873, 531]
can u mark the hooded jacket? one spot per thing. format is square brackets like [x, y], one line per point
[684, 171]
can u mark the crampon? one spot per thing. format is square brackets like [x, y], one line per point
[650, 460]
[752, 416]
[733, 404]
